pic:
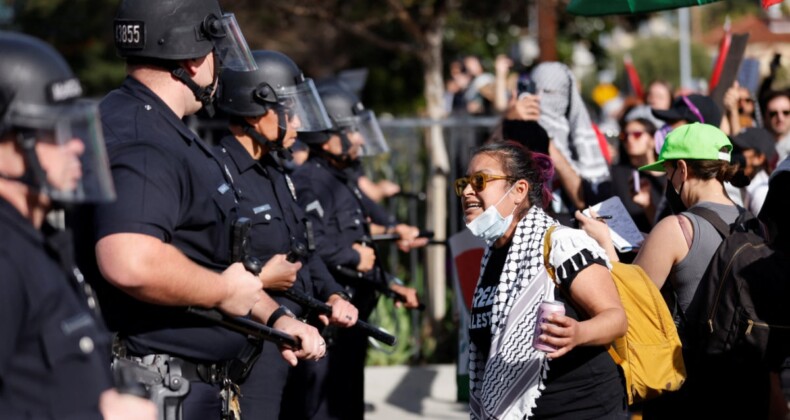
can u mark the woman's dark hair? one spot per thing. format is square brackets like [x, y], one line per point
[650, 128]
[722, 170]
[520, 163]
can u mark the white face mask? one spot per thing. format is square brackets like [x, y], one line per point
[490, 225]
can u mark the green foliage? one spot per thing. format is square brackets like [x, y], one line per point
[82, 31]
[715, 13]
[395, 321]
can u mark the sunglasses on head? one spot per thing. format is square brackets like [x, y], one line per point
[774, 114]
[478, 181]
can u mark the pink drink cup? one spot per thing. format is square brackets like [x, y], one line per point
[546, 308]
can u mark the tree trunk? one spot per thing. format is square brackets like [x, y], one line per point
[436, 218]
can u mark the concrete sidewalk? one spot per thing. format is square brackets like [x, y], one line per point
[413, 392]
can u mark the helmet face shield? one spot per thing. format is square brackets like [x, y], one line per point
[70, 148]
[366, 124]
[230, 45]
[302, 101]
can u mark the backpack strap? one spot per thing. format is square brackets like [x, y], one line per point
[711, 217]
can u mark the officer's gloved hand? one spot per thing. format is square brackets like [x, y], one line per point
[313, 345]
[243, 290]
[367, 257]
[344, 314]
[279, 274]
[115, 406]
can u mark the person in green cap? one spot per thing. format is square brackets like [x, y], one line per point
[676, 254]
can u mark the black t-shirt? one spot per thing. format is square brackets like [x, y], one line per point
[54, 351]
[585, 383]
[480, 324]
[170, 186]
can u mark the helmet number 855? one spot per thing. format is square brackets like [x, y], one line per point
[128, 34]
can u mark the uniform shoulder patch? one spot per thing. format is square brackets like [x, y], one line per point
[315, 206]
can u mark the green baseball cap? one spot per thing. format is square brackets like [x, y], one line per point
[692, 141]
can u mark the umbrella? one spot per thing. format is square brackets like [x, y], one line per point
[614, 7]
[618, 7]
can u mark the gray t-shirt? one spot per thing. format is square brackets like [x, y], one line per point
[686, 275]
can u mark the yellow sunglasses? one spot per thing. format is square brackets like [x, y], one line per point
[478, 181]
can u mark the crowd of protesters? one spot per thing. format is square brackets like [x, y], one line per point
[674, 152]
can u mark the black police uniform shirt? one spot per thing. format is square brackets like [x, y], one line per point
[335, 210]
[54, 353]
[334, 205]
[268, 198]
[170, 186]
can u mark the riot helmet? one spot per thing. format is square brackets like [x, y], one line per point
[42, 110]
[167, 31]
[278, 83]
[349, 117]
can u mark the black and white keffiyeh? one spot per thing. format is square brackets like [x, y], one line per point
[506, 385]
[566, 120]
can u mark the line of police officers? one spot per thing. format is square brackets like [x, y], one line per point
[161, 240]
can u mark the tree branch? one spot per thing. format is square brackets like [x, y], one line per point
[359, 28]
[407, 21]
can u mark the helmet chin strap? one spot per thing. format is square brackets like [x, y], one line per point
[204, 94]
[34, 177]
[277, 145]
[343, 159]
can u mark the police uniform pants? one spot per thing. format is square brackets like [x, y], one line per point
[262, 391]
[202, 402]
[332, 388]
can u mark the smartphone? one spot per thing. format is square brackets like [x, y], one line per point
[637, 181]
[525, 85]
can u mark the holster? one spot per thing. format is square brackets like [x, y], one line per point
[161, 376]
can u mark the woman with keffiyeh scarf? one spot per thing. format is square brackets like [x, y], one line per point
[509, 379]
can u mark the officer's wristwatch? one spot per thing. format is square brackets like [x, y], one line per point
[279, 312]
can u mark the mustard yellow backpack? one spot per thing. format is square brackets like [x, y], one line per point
[650, 353]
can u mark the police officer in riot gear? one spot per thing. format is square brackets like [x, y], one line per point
[165, 243]
[266, 108]
[326, 187]
[54, 348]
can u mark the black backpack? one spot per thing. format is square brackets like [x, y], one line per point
[741, 304]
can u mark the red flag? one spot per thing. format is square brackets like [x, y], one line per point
[769, 3]
[724, 48]
[603, 144]
[633, 76]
